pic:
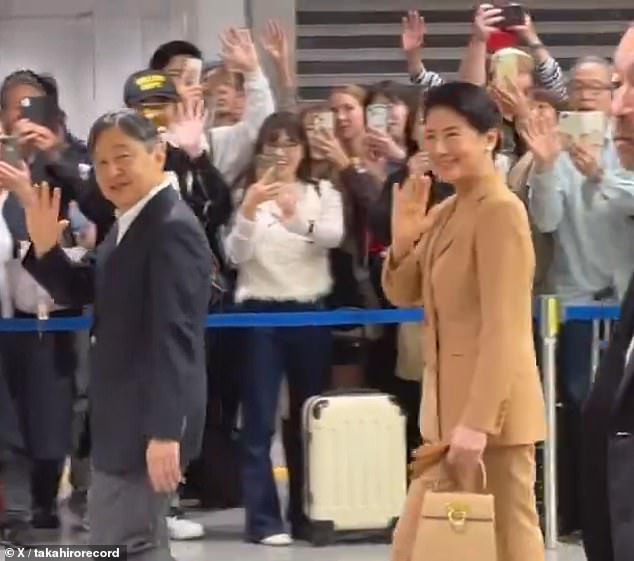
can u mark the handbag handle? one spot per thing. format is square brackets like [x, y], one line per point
[482, 477]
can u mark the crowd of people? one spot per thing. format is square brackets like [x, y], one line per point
[296, 206]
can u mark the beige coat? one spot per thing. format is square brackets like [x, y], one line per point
[473, 273]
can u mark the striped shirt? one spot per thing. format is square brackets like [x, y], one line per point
[548, 74]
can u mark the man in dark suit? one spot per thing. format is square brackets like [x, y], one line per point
[150, 286]
[608, 418]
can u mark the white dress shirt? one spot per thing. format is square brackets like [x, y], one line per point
[125, 219]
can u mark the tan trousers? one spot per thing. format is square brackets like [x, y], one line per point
[511, 480]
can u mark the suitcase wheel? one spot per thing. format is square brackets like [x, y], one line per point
[389, 533]
[322, 533]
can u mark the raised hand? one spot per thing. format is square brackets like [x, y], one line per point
[260, 192]
[412, 31]
[238, 51]
[419, 164]
[586, 163]
[527, 32]
[410, 219]
[17, 180]
[510, 99]
[384, 145]
[42, 219]
[486, 19]
[275, 42]
[328, 146]
[32, 134]
[543, 140]
[287, 203]
[187, 129]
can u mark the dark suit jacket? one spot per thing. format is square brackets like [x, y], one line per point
[608, 449]
[150, 297]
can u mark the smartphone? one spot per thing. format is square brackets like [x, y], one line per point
[78, 222]
[41, 110]
[244, 34]
[325, 121]
[192, 71]
[514, 15]
[10, 151]
[586, 128]
[263, 163]
[378, 117]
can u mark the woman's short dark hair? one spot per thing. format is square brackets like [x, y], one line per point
[293, 126]
[167, 51]
[471, 102]
[130, 122]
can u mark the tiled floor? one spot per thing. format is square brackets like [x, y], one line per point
[224, 543]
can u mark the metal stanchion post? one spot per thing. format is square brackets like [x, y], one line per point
[550, 318]
[596, 347]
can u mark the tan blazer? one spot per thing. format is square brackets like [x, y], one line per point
[473, 273]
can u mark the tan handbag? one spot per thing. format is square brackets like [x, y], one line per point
[456, 526]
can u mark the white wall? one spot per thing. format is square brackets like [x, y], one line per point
[91, 46]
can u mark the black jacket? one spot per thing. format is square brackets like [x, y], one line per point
[150, 296]
[608, 449]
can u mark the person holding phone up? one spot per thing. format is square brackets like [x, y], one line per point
[40, 368]
[279, 244]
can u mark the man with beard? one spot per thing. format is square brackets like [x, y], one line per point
[608, 417]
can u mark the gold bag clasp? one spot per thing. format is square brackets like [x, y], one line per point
[457, 516]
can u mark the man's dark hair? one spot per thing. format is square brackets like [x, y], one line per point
[130, 122]
[167, 51]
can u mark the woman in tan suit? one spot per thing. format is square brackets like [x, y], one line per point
[470, 263]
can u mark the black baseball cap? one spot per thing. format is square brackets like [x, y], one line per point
[149, 85]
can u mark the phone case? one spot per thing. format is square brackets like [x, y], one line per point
[39, 110]
[355, 454]
[514, 15]
[9, 151]
[378, 117]
[586, 128]
[325, 121]
[263, 164]
[192, 71]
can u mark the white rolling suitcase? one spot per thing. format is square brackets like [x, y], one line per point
[356, 463]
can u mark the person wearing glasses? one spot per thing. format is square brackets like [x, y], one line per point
[593, 256]
[280, 243]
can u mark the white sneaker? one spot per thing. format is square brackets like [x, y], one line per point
[181, 529]
[277, 540]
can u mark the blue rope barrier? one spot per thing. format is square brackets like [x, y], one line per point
[590, 313]
[298, 319]
[215, 321]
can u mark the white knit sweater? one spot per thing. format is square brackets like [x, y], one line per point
[283, 261]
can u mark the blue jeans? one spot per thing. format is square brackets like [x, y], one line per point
[303, 355]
